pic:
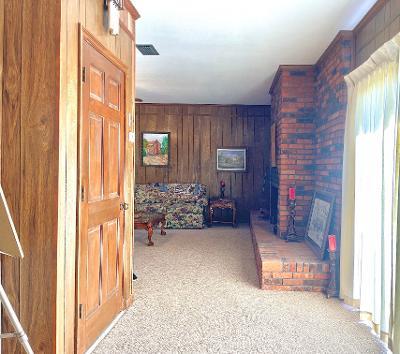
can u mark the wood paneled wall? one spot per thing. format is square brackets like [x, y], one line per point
[39, 107]
[380, 24]
[89, 14]
[29, 159]
[196, 132]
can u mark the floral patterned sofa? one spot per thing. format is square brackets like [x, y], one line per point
[183, 204]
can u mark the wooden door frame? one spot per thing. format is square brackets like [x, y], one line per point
[86, 36]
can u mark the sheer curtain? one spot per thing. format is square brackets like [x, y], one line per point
[370, 190]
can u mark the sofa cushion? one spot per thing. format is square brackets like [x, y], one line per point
[184, 216]
[146, 193]
[151, 207]
[170, 193]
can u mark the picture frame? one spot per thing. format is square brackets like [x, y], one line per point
[155, 149]
[232, 159]
[319, 222]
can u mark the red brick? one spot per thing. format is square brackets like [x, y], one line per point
[325, 268]
[289, 266]
[271, 281]
[283, 275]
[320, 289]
[322, 276]
[278, 288]
[315, 282]
[294, 282]
[304, 104]
[303, 275]
[299, 267]
[272, 266]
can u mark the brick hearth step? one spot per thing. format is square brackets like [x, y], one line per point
[285, 266]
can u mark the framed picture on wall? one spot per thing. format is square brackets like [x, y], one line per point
[232, 159]
[319, 222]
[155, 149]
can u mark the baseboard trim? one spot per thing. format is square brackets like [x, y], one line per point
[105, 332]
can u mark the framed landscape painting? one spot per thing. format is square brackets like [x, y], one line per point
[232, 159]
[155, 149]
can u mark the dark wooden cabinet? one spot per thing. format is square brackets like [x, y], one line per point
[222, 211]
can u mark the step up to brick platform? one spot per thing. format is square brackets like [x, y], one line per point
[285, 266]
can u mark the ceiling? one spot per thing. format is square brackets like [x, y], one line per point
[227, 51]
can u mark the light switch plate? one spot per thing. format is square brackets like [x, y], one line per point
[131, 137]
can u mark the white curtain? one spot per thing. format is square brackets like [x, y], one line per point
[369, 217]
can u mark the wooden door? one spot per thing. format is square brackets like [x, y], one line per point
[101, 217]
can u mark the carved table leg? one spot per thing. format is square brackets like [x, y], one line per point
[163, 227]
[150, 234]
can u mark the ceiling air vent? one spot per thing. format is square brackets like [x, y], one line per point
[147, 49]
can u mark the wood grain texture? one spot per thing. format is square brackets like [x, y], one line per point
[378, 26]
[1, 72]
[11, 148]
[67, 175]
[196, 133]
[39, 170]
[101, 165]
[127, 48]
[39, 72]
[89, 14]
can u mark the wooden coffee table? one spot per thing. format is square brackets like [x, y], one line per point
[146, 221]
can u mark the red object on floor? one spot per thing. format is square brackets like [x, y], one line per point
[332, 243]
[292, 193]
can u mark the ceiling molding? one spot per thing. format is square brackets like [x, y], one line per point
[370, 15]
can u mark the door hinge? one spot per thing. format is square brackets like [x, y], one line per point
[80, 311]
[84, 74]
[82, 193]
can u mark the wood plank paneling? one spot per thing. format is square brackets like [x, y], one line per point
[67, 175]
[196, 133]
[39, 167]
[39, 45]
[11, 147]
[30, 97]
[89, 13]
[380, 24]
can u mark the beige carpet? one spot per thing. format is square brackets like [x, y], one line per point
[197, 292]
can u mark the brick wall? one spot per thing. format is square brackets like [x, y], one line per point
[293, 112]
[309, 107]
[331, 105]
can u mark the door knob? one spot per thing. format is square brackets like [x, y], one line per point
[124, 206]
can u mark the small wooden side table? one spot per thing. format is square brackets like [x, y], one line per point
[222, 204]
[146, 221]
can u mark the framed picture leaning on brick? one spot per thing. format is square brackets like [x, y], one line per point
[319, 222]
